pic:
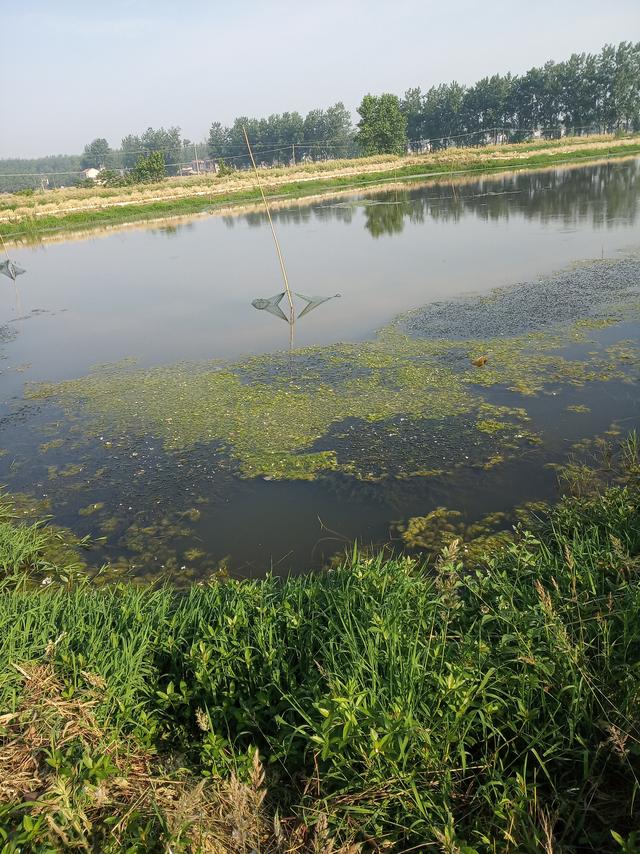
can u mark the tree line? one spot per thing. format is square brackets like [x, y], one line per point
[318, 135]
[586, 93]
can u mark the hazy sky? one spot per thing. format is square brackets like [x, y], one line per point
[72, 71]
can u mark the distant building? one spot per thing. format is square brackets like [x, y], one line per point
[198, 167]
[91, 173]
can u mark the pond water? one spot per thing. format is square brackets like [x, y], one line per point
[199, 441]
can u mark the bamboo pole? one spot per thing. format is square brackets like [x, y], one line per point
[6, 252]
[273, 231]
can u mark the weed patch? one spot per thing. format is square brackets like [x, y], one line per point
[478, 705]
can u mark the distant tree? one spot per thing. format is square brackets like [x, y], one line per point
[551, 104]
[218, 141]
[95, 154]
[328, 133]
[168, 142]
[237, 147]
[413, 109]
[315, 127]
[382, 128]
[443, 113]
[150, 167]
[113, 178]
[130, 148]
[577, 104]
[529, 98]
[224, 169]
[339, 128]
[285, 129]
[625, 86]
[57, 170]
[488, 105]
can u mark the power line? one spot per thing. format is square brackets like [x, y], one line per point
[266, 147]
[322, 145]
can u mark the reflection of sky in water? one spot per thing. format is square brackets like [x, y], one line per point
[164, 297]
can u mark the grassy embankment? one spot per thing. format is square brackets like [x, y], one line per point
[447, 707]
[32, 218]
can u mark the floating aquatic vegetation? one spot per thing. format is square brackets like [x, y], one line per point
[478, 540]
[439, 528]
[71, 470]
[272, 413]
[51, 445]
[142, 530]
[597, 462]
[7, 334]
[268, 428]
[590, 294]
[109, 525]
[411, 447]
[90, 509]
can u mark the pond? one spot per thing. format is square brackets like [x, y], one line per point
[484, 328]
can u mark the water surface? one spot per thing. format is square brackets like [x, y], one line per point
[180, 294]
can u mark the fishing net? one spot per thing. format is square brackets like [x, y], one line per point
[272, 305]
[312, 302]
[10, 269]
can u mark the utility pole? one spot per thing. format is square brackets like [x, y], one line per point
[293, 153]
[195, 151]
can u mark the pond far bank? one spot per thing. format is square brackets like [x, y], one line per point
[42, 217]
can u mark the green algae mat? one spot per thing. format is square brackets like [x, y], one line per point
[273, 415]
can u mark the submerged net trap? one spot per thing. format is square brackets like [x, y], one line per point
[10, 269]
[312, 302]
[272, 304]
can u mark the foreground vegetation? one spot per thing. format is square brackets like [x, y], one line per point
[388, 704]
[36, 217]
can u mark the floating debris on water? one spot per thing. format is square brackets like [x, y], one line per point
[479, 362]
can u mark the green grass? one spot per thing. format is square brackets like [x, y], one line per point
[29, 548]
[487, 709]
[539, 157]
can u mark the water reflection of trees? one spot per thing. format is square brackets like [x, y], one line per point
[342, 212]
[172, 229]
[599, 194]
